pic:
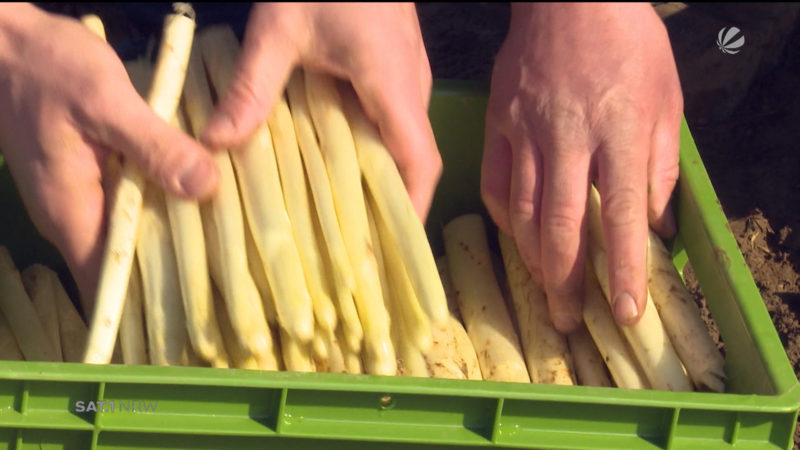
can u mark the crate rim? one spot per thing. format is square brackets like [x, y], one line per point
[26, 371]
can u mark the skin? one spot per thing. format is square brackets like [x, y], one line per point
[378, 47]
[73, 118]
[583, 92]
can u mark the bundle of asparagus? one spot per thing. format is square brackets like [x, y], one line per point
[285, 245]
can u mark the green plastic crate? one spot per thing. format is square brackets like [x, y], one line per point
[212, 408]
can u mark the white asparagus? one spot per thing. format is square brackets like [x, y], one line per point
[447, 284]
[335, 354]
[546, 351]
[186, 227]
[417, 328]
[259, 275]
[682, 320]
[335, 257]
[647, 337]
[466, 351]
[190, 358]
[487, 319]
[72, 329]
[22, 317]
[9, 348]
[39, 286]
[239, 357]
[443, 358]
[123, 224]
[339, 153]
[410, 361]
[319, 351]
[590, 370]
[94, 24]
[262, 196]
[619, 358]
[406, 232]
[164, 311]
[132, 334]
[296, 355]
[242, 300]
[298, 206]
[352, 358]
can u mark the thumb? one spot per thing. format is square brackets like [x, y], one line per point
[261, 73]
[168, 157]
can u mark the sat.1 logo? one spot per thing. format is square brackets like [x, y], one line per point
[730, 40]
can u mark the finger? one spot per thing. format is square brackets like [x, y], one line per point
[262, 70]
[170, 158]
[622, 166]
[663, 174]
[563, 210]
[495, 181]
[524, 203]
[391, 99]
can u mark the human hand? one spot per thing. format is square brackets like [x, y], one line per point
[65, 104]
[378, 47]
[582, 92]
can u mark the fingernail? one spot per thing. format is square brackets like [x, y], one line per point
[199, 178]
[564, 323]
[625, 309]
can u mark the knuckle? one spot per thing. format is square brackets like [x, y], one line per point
[667, 175]
[243, 91]
[521, 209]
[561, 111]
[565, 292]
[97, 105]
[562, 228]
[623, 208]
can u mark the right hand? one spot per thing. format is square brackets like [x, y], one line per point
[583, 92]
[378, 47]
[66, 103]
